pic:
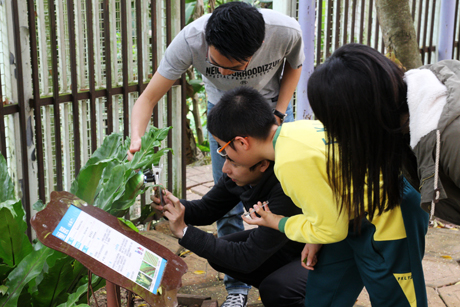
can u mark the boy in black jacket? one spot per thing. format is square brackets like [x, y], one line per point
[261, 257]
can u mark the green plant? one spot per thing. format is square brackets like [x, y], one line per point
[32, 274]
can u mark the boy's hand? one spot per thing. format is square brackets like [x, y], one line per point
[267, 218]
[174, 211]
[156, 205]
[308, 255]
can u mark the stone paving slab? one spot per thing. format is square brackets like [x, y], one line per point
[439, 243]
[440, 273]
[450, 295]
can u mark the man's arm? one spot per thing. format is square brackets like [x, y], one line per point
[143, 109]
[288, 85]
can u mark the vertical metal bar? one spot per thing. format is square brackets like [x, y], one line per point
[430, 51]
[124, 43]
[361, 22]
[169, 96]
[90, 50]
[328, 38]
[140, 55]
[153, 42]
[425, 31]
[337, 25]
[74, 80]
[446, 30]
[108, 67]
[36, 102]
[353, 21]
[56, 100]
[318, 33]
[413, 9]
[2, 122]
[183, 116]
[22, 115]
[369, 23]
[345, 23]
[456, 27]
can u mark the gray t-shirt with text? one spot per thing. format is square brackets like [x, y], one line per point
[283, 40]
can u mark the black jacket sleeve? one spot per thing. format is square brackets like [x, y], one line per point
[247, 256]
[216, 203]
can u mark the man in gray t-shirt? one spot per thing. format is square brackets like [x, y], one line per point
[236, 45]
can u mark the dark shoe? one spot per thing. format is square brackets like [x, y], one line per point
[235, 300]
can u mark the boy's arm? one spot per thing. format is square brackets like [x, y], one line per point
[288, 85]
[246, 255]
[143, 109]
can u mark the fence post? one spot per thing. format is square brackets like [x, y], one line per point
[178, 116]
[22, 93]
[307, 24]
[446, 30]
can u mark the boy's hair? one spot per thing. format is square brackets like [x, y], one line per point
[242, 111]
[359, 96]
[236, 30]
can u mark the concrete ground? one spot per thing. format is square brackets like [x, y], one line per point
[441, 263]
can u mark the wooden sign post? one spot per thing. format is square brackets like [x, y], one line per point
[110, 249]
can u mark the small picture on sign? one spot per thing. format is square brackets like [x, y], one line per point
[147, 269]
[151, 258]
[144, 280]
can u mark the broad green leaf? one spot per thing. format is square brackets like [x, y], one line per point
[146, 156]
[128, 223]
[14, 244]
[3, 289]
[85, 186]
[133, 187]
[6, 184]
[52, 290]
[73, 298]
[29, 268]
[111, 188]
[5, 270]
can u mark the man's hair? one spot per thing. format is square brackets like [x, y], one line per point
[236, 30]
[359, 96]
[242, 111]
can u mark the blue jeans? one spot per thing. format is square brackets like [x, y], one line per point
[232, 221]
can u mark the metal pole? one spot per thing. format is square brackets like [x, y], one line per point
[446, 30]
[307, 24]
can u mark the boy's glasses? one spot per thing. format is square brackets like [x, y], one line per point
[218, 66]
[221, 150]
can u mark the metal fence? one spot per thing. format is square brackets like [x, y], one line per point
[347, 21]
[78, 70]
[71, 70]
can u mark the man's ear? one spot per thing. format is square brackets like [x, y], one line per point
[242, 142]
[264, 165]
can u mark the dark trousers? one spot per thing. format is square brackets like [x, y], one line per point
[281, 282]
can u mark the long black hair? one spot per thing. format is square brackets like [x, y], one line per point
[360, 95]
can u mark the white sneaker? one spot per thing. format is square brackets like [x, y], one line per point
[235, 300]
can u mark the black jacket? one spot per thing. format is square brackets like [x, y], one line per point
[261, 244]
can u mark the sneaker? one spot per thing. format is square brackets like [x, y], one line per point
[235, 300]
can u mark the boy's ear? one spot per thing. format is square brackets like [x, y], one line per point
[242, 142]
[264, 165]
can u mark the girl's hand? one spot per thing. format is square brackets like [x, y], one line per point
[308, 255]
[267, 218]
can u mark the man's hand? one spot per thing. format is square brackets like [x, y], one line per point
[267, 218]
[133, 148]
[173, 210]
[308, 255]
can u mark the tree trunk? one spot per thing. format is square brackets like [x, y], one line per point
[399, 32]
